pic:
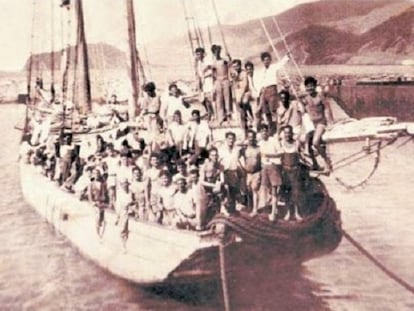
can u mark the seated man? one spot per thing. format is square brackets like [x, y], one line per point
[165, 203]
[198, 138]
[212, 191]
[185, 205]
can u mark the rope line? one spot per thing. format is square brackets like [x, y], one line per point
[223, 277]
[277, 56]
[287, 47]
[377, 263]
[213, 3]
[379, 147]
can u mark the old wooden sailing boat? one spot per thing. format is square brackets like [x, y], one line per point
[156, 254]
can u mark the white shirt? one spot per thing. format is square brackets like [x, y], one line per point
[229, 158]
[177, 133]
[271, 147]
[170, 104]
[184, 202]
[269, 76]
[199, 133]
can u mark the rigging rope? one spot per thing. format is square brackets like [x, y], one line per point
[359, 156]
[65, 77]
[377, 263]
[52, 54]
[213, 3]
[223, 277]
[287, 47]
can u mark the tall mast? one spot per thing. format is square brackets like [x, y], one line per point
[133, 53]
[82, 45]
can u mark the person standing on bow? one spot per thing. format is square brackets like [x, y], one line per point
[222, 89]
[271, 175]
[234, 179]
[268, 100]
[252, 165]
[318, 111]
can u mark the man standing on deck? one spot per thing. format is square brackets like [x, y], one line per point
[240, 87]
[253, 93]
[290, 113]
[252, 164]
[150, 106]
[234, 182]
[271, 177]
[204, 74]
[222, 88]
[97, 194]
[320, 114]
[268, 101]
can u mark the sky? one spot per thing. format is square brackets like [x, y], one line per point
[23, 32]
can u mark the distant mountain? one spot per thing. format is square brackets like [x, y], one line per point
[101, 55]
[323, 32]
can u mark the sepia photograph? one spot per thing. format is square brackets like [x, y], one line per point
[207, 155]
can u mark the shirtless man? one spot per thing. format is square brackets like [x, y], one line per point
[221, 85]
[138, 189]
[320, 114]
[290, 113]
[152, 177]
[211, 181]
[240, 87]
[271, 178]
[253, 93]
[251, 161]
[124, 203]
[112, 162]
[291, 170]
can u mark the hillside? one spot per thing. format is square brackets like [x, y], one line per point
[101, 55]
[322, 32]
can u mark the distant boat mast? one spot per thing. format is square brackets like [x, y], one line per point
[81, 44]
[134, 57]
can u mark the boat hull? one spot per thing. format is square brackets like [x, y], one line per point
[155, 254]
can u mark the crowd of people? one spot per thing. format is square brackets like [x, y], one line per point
[174, 172]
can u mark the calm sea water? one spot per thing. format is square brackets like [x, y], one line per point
[40, 270]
